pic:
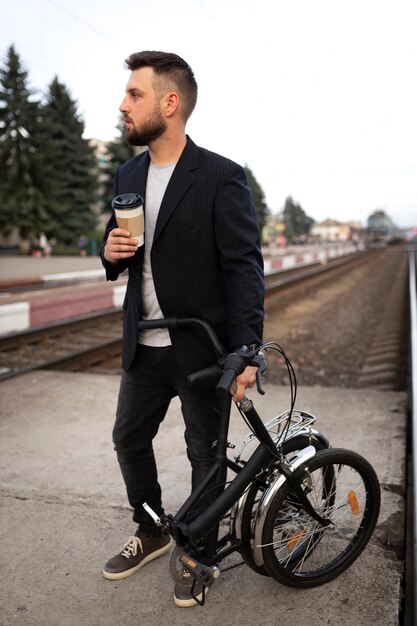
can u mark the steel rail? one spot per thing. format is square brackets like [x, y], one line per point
[32, 337]
[413, 382]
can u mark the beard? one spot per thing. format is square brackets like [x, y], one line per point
[150, 130]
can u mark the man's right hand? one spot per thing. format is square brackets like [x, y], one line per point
[119, 245]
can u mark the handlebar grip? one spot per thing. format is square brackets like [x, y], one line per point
[233, 366]
[169, 322]
[208, 376]
[226, 381]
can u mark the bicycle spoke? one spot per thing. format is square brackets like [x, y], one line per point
[299, 545]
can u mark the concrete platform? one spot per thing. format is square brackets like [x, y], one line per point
[64, 512]
[63, 299]
[20, 268]
[22, 311]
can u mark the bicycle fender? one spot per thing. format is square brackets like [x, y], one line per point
[313, 434]
[237, 509]
[263, 507]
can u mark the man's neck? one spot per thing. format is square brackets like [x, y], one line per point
[167, 149]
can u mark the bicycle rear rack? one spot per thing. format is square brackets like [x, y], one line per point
[282, 427]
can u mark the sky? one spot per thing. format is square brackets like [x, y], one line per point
[317, 97]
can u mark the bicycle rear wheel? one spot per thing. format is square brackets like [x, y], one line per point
[255, 493]
[342, 487]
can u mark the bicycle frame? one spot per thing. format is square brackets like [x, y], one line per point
[197, 535]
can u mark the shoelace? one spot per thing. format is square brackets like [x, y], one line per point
[130, 548]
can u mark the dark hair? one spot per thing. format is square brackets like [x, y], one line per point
[170, 66]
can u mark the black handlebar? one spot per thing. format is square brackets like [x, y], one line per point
[229, 366]
[174, 323]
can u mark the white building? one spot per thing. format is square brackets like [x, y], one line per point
[332, 230]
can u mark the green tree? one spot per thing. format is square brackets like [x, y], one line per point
[22, 184]
[259, 198]
[69, 164]
[118, 152]
[296, 222]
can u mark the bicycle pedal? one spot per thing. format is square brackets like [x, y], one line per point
[203, 573]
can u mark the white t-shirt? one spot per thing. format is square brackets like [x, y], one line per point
[158, 179]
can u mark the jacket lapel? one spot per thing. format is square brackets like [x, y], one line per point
[141, 175]
[181, 180]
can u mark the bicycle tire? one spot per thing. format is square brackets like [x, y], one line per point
[297, 550]
[255, 492]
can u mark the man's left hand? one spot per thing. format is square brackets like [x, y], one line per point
[246, 379]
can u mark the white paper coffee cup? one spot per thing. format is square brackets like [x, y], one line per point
[128, 210]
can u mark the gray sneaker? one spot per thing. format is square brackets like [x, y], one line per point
[185, 595]
[187, 591]
[134, 554]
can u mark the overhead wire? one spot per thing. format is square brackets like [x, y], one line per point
[80, 21]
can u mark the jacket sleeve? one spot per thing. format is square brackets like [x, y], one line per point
[113, 270]
[238, 241]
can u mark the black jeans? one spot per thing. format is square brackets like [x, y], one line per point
[145, 394]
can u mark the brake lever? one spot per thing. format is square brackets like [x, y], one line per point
[260, 363]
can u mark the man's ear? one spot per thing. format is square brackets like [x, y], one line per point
[171, 103]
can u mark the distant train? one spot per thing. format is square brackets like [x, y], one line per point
[381, 231]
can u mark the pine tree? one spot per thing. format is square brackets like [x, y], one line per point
[70, 164]
[22, 184]
[259, 198]
[297, 222]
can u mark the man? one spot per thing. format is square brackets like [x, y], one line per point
[201, 258]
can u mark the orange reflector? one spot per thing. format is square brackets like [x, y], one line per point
[187, 561]
[296, 538]
[353, 502]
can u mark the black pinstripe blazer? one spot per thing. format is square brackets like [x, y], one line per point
[206, 258]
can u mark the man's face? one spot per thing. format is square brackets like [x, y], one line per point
[141, 109]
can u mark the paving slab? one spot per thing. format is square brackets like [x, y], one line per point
[64, 511]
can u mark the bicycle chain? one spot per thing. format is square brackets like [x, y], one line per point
[226, 569]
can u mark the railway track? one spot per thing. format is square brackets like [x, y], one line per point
[62, 345]
[93, 343]
[349, 328]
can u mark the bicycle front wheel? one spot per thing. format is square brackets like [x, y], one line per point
[342, 487]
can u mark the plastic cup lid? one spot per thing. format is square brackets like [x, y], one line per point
[127, 201]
